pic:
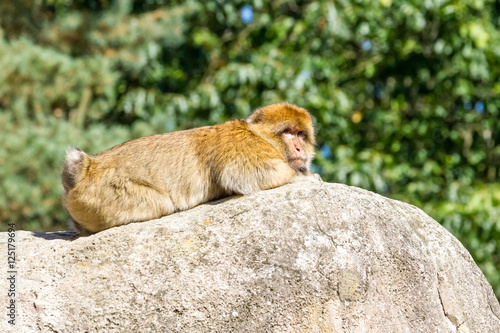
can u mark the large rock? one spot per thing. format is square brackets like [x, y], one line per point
[306, 257]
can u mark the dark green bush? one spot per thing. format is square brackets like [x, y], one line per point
[37, 79]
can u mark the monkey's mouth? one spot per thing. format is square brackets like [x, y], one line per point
[298, 164]
[296, 161]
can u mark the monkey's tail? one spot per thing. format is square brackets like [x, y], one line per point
[75, 162]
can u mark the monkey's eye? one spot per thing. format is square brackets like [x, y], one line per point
[302, 134]
[287, 131]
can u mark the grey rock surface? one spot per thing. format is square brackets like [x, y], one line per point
[305, 257]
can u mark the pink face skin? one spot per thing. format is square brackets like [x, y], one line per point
[296, 154]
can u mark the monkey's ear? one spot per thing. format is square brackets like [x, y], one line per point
[256, 117]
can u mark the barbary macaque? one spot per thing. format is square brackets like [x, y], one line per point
[154, 176]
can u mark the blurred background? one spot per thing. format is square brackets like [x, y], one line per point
[404, 93]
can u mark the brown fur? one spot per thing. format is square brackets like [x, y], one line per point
[154, 176]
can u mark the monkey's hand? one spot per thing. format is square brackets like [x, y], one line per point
[316, 176]
[307, 178]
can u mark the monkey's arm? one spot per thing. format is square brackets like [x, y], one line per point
[250, 163]
[307, 177]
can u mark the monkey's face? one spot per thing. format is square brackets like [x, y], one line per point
[298, 150]
[289, 129]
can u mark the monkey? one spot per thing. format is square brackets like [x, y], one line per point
[155, 176]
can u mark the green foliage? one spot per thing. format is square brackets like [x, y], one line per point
[471, 213]
[404, 94]
[36, 80]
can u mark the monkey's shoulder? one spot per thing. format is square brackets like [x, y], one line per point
[230, 125]
[232, 129]
[150, 142]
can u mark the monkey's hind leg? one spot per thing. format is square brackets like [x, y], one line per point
[75, 226]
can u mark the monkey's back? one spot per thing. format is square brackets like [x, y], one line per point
[139, 180]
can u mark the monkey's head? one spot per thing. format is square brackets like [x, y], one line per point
[289, 129]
